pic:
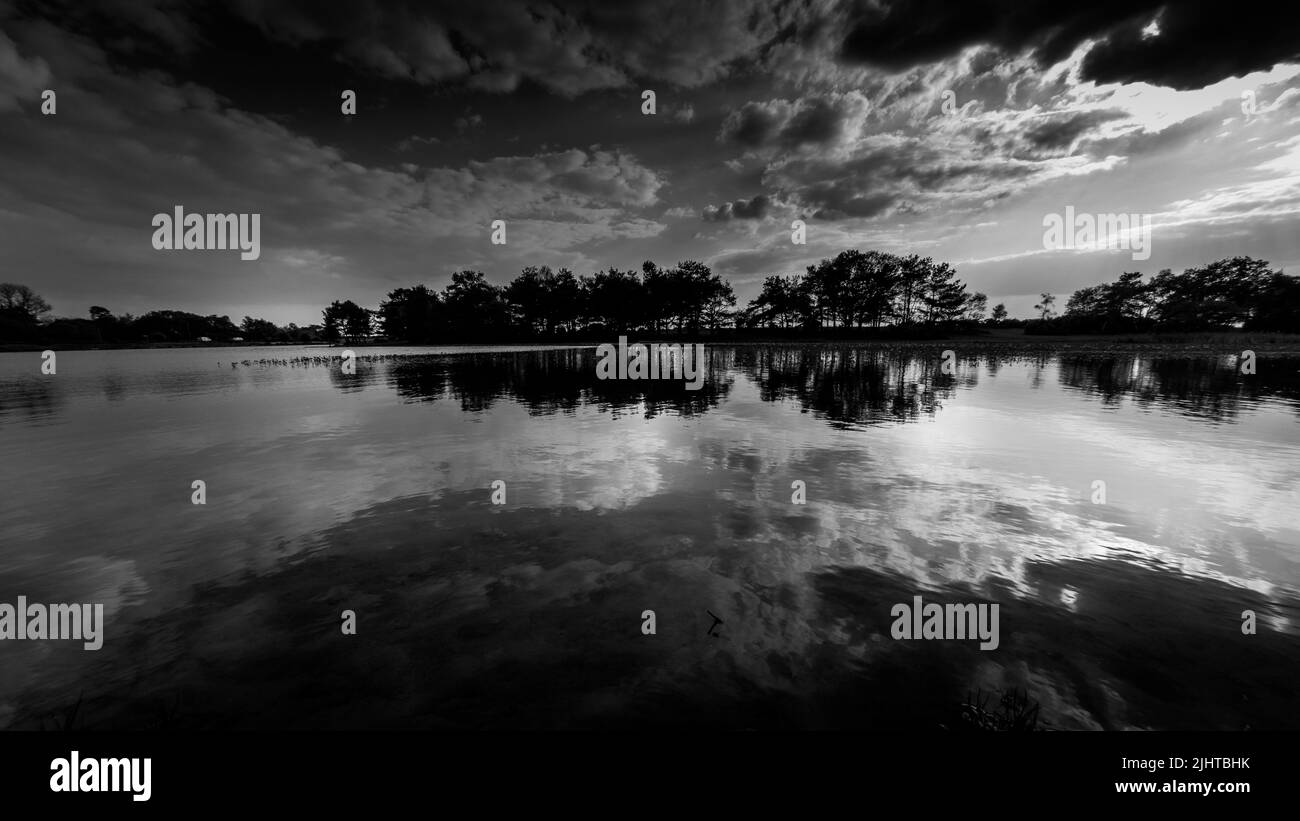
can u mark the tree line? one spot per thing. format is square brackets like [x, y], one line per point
[686, 298]
[1241, 292]
[23, 319]
[868, 289]
[908, 295]
[853, 290]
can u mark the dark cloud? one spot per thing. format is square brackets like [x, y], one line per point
[866, 187]
[20, 78]
[753, 125]
[598, 178]
[819, 121]
[752, 208]
[984, 62]
[886, 180]
[906, 33]
[571, 47]
[842, 199]
[567, 46]
[574, 46]
[812, 120]
[1198, 43]
[467, 122]
[1058, 133]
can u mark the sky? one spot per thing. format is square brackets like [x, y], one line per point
[952, 130]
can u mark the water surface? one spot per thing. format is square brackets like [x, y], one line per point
[372, 492]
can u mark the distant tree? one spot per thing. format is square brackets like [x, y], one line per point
[866, 289]
[945, 295]
[662, 302]
[562, 302]
[999, 314]
[330, 323]
[22, 303]
[1110, 307]
[526, 298]
[1219, 295]
[540, 300]
[108, 328]
[782, 302]
[1088, 301]
[1044, 306]
[976, 305]
[412, 315]
[262, 330]
[720, 307]
[177, 326]
[72, 331]
[774, 303]
[216, 327]
[874, 282]
[912, 274]
[475, 307]
[1278, 306]
[1228, 293]
[346, 318]
[614, 299]
[829, 283]
[1128, 297]
[702, 297]
[361, 323]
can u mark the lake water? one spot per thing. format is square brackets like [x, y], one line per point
[373, 492]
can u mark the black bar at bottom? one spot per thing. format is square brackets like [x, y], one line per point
[619, 772]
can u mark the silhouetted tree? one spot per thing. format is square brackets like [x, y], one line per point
[1044, 306]
[412, 314]
[346, 319]
[1278, 306]
[944, 297]
[615, 300]
[475, 307]
[260, 330]
[1219, 295]
[781, 303]
[1237, 292]
[22, 303]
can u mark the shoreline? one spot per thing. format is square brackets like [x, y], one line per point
[1208, 341]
